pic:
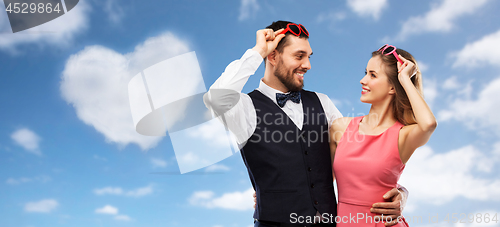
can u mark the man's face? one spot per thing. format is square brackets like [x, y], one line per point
[293, 63]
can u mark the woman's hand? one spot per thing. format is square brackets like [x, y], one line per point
[407, 69]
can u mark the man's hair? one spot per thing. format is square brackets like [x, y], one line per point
[277, 25]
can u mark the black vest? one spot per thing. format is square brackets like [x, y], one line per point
[290, 169]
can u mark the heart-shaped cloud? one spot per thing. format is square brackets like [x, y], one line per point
[95, 82]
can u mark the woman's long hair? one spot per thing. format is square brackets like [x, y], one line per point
[401, 107]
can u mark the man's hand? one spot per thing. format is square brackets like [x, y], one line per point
[391, 209]
[267, 40]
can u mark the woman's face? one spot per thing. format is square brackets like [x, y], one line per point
[375, 83]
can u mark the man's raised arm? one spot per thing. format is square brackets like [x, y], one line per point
[224, 97]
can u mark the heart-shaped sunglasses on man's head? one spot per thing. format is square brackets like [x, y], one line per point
[295, 29]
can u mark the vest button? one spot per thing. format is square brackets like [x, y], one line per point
[309, 169]
[315, 202]
[306, 152]
[312, 185]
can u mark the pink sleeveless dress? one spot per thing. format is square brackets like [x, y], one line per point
[365, 167]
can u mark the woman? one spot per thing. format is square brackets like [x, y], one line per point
[369, 152]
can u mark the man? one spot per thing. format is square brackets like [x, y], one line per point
[282, 131]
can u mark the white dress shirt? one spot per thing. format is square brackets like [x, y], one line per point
[241, 119]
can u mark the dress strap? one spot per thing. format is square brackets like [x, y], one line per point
[354, 124]
[351, 129]
[394, 130]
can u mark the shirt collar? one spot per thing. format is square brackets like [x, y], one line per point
[269, 91]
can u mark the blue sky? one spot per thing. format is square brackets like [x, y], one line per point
[69, 154]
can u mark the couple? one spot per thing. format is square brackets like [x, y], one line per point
[290, 138]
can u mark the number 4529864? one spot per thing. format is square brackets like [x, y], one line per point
[32, 8]
[471, 218]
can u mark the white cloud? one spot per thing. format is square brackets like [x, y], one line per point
[139, 192]
[438, 178]
[191, 158]
[217, 167]
[109, 190]
[19, 180]
[248, 9]
[108, 209]
[111, 210]
[330, 17]
[496, 150]
[201, 195]
[367, 8]
[42, 179]
[59, 32]
[157, 162]
[482, 52]
[430, 91]
[154, 50]
[210, 134]
[230, 201]
[122, 217]
[27, 139]
[213, 144]
[462, 90]
[42, 206]
[440, 18]
[451, 83]
[422, 66]
[100, 158]
[479, 113]
[95, 82]
[114, 11]
[4, 20]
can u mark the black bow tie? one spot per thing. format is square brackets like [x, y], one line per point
[294, 96]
